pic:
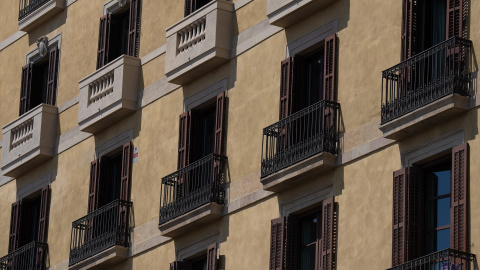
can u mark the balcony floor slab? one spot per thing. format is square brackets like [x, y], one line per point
[103, 259]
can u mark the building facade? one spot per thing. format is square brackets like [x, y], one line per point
[239, 134]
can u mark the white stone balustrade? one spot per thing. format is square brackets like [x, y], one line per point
[21, 133]
[101, 87]
[192, 35]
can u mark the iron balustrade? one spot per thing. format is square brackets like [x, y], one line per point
[197, 184]
[447, 259]
[428, 76]
[303, 134]
[105, 227]
[31, 256]
[28, 6]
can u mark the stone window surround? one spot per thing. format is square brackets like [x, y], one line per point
[197, 247]
[113, 143]
[34, 187]
[112, 7]
[311, 40]
[205, 95]
[306, 200]
[34, 55]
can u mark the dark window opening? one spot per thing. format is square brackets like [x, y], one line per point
[39, 83]
[200, 263]
[433, 23]
[437, 207]
[120, 27]
[31, 218]
[111, 180]
[206, 131]
[314, 66]
[310, 235]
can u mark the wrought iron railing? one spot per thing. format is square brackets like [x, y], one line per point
[195, 185]
[106, 227]
[29, 257]
[28, 6]
[428, 76]
[310, 131]
[447, 259]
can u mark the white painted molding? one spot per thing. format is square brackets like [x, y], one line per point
[306, 199]
[114, 143]
[198, 246]
[34, 186]
[205, 95]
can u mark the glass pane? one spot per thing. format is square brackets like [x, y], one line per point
[443, 182]
[309, 230]
[443, 239]
[307, 258]
[443, 212]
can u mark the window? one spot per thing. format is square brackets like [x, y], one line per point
[424, 200]
[29, 219]
[119, 34]
[192, 5]
[39, 82]
[296, 240]
[205, 261]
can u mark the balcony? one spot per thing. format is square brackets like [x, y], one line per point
[31, 256]
[29, 140]
[447, 259]
[300, 145]
[431, 87]
[199, 42]
[101, 238]
[192, 196]
[284, 13]
[32, 13]
[108, 94]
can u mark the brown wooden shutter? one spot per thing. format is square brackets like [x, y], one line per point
[44, 214]
[212, 257]
[459, 198]
[284, 243]
[184, 136]
[52, 76]
[15, 221]
[291, 99]
[219, 124]
[103, 40]
[134, 28]
[26, 88]
[410, 14]
[188, 7]
[329, 70]
[399, 217]
[457, 11]
[93, 196]
[177, 265]
[126, 174]
[328, 234]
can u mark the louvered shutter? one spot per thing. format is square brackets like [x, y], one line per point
[184, 136]
[212, 257]
[93, 196]
[134, 28]
[26, 88]
[103, 40]
[177, 265]
[328, 234]
[220, 124]
[457, 11]
[330, 67]
[459, 198]
[15, 222]
[399, 217]
[415, 213]
[284, 243]
[126, 174]
[410, 14]
[188, 7]
[52, 76]
[44, 214]
[290, 86]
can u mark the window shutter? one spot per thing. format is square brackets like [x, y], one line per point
[399, 215]
[52, 76]
[126, 174]
[134, 28]
[94, 186]
[291, 79]
[457, 11]
[212, 257]
[44, 214]
[284, 243]
[103, 40]
[26, 88]
[184, 137]
[177, 265]
[328, 234]
[330, 68]
[459, 198]
[410, 13]
[219, 124]
[188, 7]
[15, 221]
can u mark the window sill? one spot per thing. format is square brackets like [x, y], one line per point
[191, 220]
[299, 172]
[429, 115]
[104, 259]
[108, 94]
[283, 13]
[41, 14]
[35, 142]
[191, 51]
